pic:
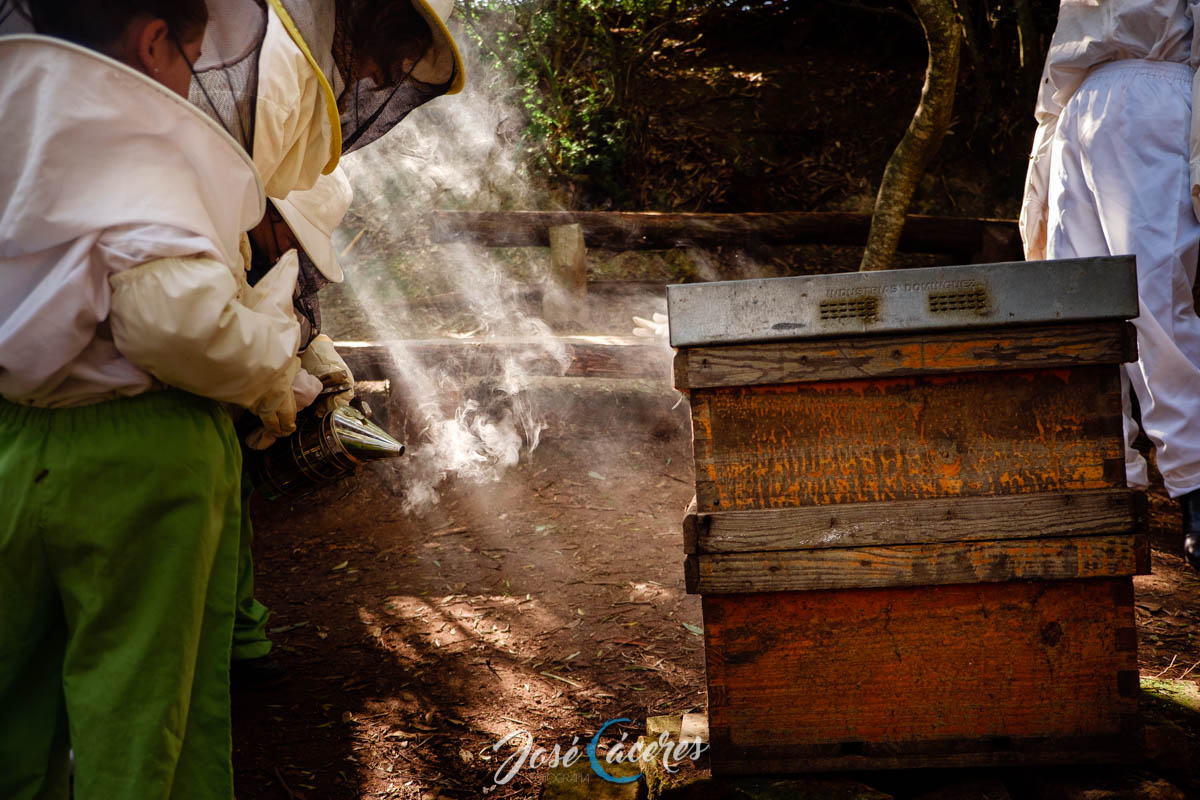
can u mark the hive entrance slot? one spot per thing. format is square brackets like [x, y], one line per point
[865, 308]
[969, 300]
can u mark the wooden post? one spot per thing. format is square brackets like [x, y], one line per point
[565, 302]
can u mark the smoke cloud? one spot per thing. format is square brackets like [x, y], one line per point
[454, 153]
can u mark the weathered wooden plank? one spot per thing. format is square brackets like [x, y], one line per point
[988, 433]
[529, 298]
[570, 356]
[913, 565]
[991, 239]
[809, 679]
[948, 519]
[849, 358]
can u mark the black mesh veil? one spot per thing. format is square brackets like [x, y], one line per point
[226, 75]
[368, 112]
[13, 19]
[225, 78]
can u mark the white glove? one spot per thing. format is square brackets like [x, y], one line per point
[277, 407]
[305, 389]
[181, 320]
[658, 326]
[322, 360]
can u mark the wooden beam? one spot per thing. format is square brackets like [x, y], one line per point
[531, 297]
[913, 565]
[565, 300]
[945, 519]
[569, 356]
[993, 239]
[940, 352]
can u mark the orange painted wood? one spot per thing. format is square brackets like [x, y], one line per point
[911, 438]
[827, 679]
[929, 353]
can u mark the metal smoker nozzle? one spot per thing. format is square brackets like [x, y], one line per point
[361, 438]
[321, 451]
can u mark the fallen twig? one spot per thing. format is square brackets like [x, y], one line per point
[514, 719]
[1168, 667]
[1188, 671]
[561, 678]
[291, 795]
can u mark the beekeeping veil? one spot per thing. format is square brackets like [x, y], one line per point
[227, 73]
[368, 110]
[13, 19]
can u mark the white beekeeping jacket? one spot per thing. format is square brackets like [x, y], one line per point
[121, 210]
[267, 74]
[1090, 33]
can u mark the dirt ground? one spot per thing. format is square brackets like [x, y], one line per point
[550, 601]
[1168, 600]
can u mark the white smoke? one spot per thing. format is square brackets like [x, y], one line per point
[455, 152]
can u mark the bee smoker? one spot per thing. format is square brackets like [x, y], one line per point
[321, 451]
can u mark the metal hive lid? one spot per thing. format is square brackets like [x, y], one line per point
[931, 298]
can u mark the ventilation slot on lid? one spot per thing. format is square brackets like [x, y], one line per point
[863, 308]
[969, 300]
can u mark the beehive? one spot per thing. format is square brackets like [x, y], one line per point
[911, 532]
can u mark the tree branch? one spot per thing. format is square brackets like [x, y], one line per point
[923, 137]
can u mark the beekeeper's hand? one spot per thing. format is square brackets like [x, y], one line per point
[658, 326]
[276, 408]
[305, 389]
[321, 359]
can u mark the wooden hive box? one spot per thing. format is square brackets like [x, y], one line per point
[913, 539]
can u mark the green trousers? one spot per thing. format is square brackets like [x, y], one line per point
[119, 527]
[250, 622]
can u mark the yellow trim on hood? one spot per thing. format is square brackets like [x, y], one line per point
[434, 20]
[335, 119]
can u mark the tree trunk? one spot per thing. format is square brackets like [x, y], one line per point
[924, 134]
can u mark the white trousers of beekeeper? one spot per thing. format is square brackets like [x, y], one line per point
[1119, 184]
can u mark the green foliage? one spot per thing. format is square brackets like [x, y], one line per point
[736, 105]
[576, 63]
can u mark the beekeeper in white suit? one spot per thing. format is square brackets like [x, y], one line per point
[1109, 174]
[299, 84]
[126, 323]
